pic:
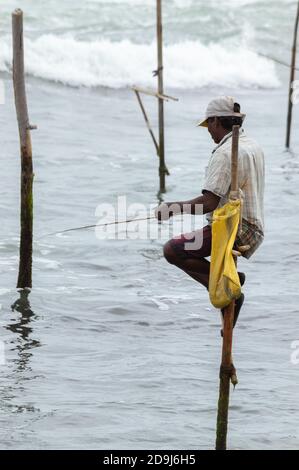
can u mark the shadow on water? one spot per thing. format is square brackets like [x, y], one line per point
[22, 327]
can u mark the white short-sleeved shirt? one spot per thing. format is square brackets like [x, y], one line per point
[251, 171]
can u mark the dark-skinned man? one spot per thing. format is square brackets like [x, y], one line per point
[184, 251]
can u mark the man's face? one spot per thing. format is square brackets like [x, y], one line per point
[214, 129]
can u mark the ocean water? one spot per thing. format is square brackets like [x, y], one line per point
[113, 347]
[112, 43]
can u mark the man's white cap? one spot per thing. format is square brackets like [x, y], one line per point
[221, 107]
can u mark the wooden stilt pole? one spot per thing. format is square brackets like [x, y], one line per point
[227, 369]
[162, 167]
[159, 143]
[25, 264]
[292, 79]
[163, 97]
[147, 121]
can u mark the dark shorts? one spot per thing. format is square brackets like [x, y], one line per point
[250, 236]
[180, 244]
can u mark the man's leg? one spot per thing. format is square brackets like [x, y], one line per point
[193, 262]
[198, 269]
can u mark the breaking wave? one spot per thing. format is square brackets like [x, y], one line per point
[188, 64]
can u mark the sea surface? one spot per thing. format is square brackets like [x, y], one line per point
[113, 348]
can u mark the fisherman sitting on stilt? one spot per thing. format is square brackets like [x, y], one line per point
[222, 114]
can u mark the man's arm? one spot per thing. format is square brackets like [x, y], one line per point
[208, 202]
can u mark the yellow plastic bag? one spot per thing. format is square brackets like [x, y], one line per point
[224, 283]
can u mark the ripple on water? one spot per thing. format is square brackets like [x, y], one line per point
[92, 266]
[119, 311]
[48, 263]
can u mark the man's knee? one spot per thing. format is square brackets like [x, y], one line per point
[169, 254]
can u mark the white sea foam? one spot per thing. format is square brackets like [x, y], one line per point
[188, 64]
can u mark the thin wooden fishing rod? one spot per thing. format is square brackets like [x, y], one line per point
[159, 73]
[25, 263]
[85, 227]
[292, 79]
[227, 369]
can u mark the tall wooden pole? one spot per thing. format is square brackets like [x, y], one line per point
[25, 264]
[292, 79]
[227, 369]
[162, 167]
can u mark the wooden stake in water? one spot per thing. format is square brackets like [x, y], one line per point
[162, 167]
[227, 369]
[163, 97]
[292, 79]
[25, 264]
